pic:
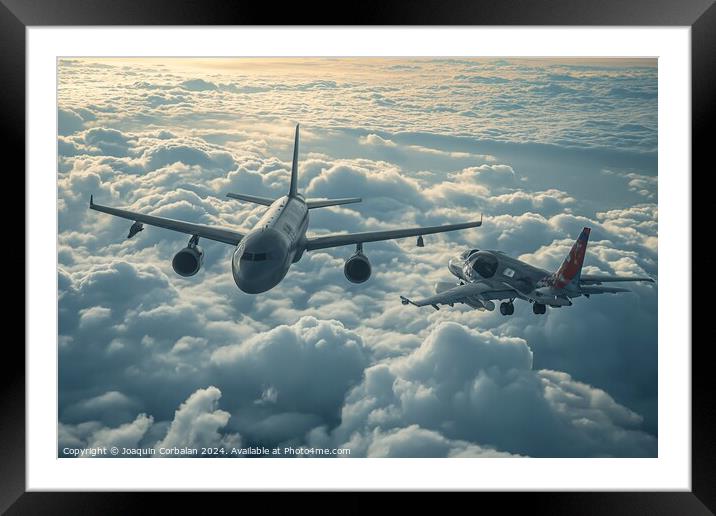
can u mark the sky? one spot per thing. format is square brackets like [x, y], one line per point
[148, 359]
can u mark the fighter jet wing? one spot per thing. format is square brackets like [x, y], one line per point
[226, 236]
[374, 236]
[596, 279]
[460, 293]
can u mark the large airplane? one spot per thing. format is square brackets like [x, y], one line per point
[492, 275]
[264, 254]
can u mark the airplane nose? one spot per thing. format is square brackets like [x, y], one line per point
[254, 279]
[455, 265]
[258, 263]
[252, 286]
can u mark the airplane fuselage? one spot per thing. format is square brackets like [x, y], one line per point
[265, 254]
[499, 271]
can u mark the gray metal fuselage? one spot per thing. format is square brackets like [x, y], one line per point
[510, 273]
[265, 254]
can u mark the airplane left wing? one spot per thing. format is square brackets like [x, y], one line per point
[374, 236]
[460, 293]
[226, 236]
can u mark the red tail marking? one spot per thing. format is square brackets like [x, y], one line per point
[572, 265]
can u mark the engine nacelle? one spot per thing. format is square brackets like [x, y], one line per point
[187, 262]
[357, 268]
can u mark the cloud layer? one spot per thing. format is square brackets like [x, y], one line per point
[542, 148]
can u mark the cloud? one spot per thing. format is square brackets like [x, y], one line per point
[144, 353]
[273, 368]
[69, 121]
[197, 85]
[92, 434]
[127, 435]
[368, 181]
[476, 387]
[413, 441]
[198, 421]
[374, 139]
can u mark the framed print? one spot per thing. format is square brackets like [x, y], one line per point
[433, 257]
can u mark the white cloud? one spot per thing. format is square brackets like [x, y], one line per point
[479, 388]
[198, 421]
[421, 148]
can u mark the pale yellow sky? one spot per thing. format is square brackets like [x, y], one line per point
[308, 65]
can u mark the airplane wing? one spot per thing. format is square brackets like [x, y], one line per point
[226, 236]
[374, 236]
[596, 279]
[459, 293]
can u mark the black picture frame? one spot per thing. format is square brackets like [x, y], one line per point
[700, 15]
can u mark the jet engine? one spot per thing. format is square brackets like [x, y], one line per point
[357, 268]
[187, 262]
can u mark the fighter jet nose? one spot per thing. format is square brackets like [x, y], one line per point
[455, 265]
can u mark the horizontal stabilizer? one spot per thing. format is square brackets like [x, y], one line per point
[251, 198]
[597, 279]
[322, 203]
[589, 290]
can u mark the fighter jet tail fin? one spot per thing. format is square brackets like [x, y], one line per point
[571, 268]
[293, 189]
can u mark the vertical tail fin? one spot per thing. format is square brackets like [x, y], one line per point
[571, 268]
[293, 189]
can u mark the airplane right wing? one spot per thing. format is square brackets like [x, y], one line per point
[323, 242]
[478, 291]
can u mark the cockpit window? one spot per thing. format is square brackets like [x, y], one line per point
[255, 257]
[467, 253]
[485, 264]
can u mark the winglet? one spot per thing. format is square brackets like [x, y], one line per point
[91, 201]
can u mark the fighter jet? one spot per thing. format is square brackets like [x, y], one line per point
[264, 254]
[492, 275]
